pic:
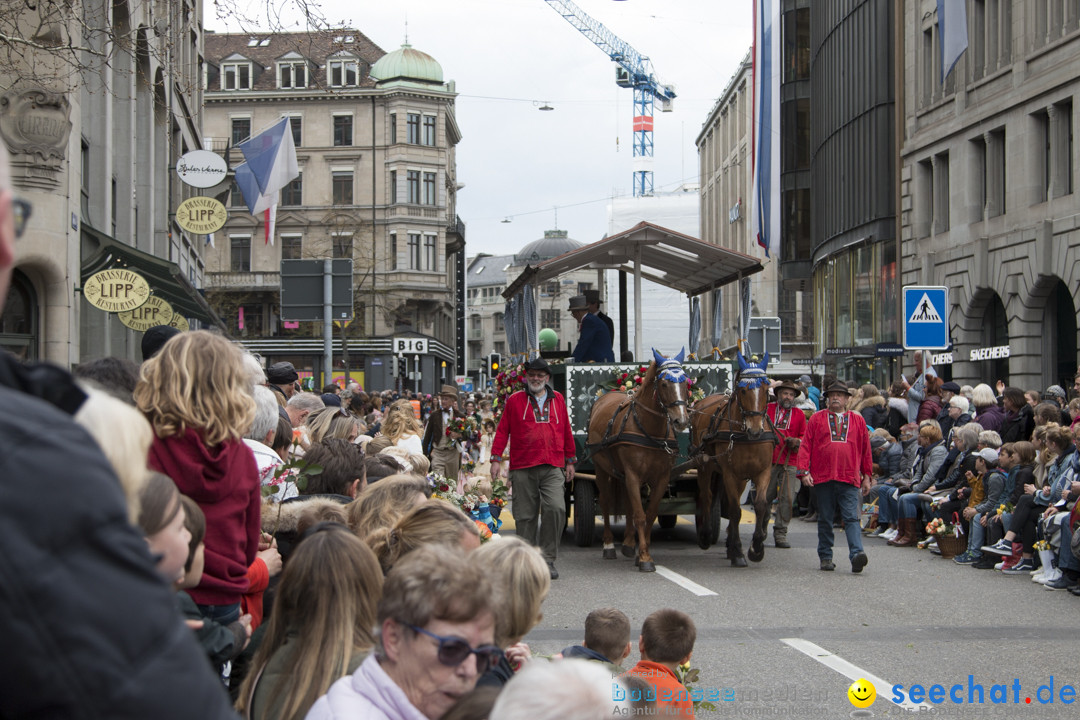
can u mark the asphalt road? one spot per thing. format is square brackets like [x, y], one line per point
[781, 638]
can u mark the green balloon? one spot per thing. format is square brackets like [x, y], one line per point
[549, 339]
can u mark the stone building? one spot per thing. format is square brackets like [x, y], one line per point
[726, 180]
[989, 178]
[375, 136]
[95, 109]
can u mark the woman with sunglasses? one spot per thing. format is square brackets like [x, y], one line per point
[435, 637]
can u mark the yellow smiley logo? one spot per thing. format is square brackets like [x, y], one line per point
[862, 693]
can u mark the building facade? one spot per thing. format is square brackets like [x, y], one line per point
[852, 172]
[726, 180]
[988, 185]
[95, 110]
[375, 136]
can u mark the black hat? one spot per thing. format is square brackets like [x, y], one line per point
[331, 399]
[155, 338]
[538, 365]
[839, 386]
[592, 297]
[281, 373]
[951, 387]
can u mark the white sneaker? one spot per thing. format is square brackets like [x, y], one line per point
[890, 534]
[1048, 577]
[999, 565]
[932, 546]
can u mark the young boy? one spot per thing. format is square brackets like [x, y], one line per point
[667, 641]
[607, 638]
[222, 643]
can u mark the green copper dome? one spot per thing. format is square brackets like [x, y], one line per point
[407, 63]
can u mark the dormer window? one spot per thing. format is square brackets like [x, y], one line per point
[292, 74]
[343, 73]
[236, 76]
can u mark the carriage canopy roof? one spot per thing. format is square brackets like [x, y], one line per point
[668, 258]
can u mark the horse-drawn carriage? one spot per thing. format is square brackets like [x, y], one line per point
[652, 446]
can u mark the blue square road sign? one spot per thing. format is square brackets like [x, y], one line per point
[926, 313]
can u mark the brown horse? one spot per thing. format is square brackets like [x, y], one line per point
[736, 439]
[633, 443]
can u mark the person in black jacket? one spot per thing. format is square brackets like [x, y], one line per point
[89, 628]
[1019, 418]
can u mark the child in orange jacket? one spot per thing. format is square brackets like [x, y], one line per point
[667, 641]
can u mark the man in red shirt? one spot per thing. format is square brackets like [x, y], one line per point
[790, 425]
[537, 423]
[835, 460]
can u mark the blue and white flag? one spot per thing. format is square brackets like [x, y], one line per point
[766, 126]
[952, 30]
[270, 166]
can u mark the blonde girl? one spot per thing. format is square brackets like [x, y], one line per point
[196, 393]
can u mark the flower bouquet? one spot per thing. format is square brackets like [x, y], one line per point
[507, 383]
[623, 380]
[687, 676]
[950, 536]
[1005, 507]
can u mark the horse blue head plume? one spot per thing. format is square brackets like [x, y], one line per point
[670, 369]
[752, 375]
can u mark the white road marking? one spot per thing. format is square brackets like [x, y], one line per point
[853, 672]
[683, 581]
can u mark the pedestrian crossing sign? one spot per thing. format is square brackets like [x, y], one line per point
[926, 311]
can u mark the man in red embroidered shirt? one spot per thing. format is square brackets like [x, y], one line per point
[834, 459]
[790, 425]
[536, 422]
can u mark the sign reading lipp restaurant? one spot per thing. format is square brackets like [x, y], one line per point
[116, 290]
[201, 215]
[154, 311]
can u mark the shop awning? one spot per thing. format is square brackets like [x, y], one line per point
[102, 252]
[668, 258]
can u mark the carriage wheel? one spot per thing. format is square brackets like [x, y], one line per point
[668, 521]
[584, 512]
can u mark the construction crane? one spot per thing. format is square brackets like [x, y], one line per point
[634, 71]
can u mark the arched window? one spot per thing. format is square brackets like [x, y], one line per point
[19, 321]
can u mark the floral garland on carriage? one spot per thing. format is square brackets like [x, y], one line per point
[628, 381]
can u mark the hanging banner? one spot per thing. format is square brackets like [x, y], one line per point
[116, 290]
[154, 311]
[201, 215]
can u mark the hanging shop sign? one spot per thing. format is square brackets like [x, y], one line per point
[201, 168]
[116, 291]
[201, 215]
[154, 311]
[990, 353]
[180, 322]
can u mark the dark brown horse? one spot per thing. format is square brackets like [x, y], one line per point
[735, 439]
[633, 442]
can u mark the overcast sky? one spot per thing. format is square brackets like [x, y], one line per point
[510, 56]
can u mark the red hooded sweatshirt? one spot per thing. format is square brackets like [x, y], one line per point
[224, 482]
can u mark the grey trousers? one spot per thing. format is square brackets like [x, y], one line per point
[783, 487]
[539, 507]
[447, 462]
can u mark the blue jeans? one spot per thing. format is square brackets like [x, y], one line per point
[888, 508]
[847, 498]
[976, 535]
[1066, 559]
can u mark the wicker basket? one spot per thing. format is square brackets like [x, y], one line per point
[951, 546]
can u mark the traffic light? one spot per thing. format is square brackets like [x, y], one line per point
[403, 368]
[494, 365]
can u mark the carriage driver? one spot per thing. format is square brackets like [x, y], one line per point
[834, 459]
[790, 424]
[536, 423]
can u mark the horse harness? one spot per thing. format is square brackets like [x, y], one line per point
[739, 435]
[622, 437]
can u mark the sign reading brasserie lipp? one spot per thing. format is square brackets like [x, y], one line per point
[201, 168]
[180, 322]
[116, 290]
[201, 215]
[154, 311]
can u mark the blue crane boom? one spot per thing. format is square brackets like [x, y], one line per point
[634, 71]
